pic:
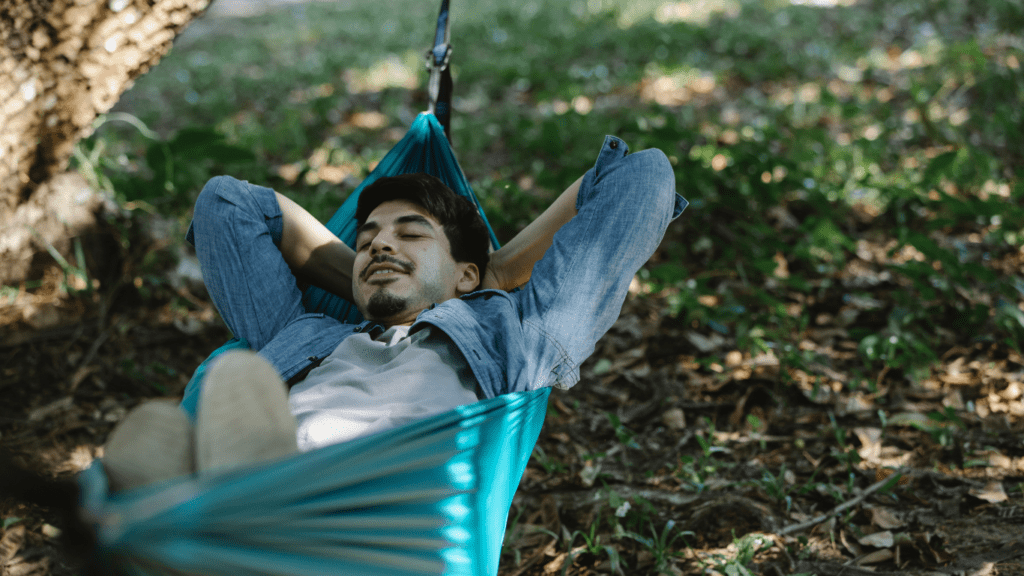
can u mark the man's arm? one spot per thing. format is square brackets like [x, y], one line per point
[577, 289]
[316, 256]
[512, 265]
[313, 253]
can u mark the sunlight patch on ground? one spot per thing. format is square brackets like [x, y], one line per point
[392, 72]
[823, 3]
[696, 11]
[675, 87]
[327, 164]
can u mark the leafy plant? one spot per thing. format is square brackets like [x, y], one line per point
[550, 465]
[776, 486]
[661, 544]
[843, 453]
[746, 548]
[946, 423]
[695, 471]
[624, 434]
[591, 545]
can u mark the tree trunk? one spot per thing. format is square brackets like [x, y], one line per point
[62, 63]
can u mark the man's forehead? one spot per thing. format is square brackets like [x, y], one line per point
[398, 212]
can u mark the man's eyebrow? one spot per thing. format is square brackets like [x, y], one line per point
[407, 219]
[369, 225]
[413, 219]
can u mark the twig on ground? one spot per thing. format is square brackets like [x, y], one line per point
[845, 505]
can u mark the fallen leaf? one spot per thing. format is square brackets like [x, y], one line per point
[876, 557]
[11, 542]
[957, 379]
[871, 442]
[703, 343]
[781, 266]
[674, 419]
[589, 473]
[50, 409]
[885, 519]
[908, 419]
[852, 547]
[50, 531]
[878, 539]
[556, 564]
[992, 492]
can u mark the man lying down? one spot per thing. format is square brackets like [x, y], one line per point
[445, 324]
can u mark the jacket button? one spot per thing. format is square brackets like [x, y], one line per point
[614, 144]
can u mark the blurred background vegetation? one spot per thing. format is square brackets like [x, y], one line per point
[855, 164]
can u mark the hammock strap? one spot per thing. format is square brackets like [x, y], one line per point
[439, 87]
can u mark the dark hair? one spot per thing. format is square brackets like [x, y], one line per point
[465, 229]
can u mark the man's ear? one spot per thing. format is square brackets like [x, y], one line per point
[469, 278]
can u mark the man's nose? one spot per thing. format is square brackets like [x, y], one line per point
[383, 242]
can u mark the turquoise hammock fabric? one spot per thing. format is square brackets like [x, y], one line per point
[430, 497]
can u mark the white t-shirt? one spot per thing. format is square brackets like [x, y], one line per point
[368, 385]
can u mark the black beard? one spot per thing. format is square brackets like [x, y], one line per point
[384, 304]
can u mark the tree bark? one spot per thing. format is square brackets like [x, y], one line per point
[63, 63]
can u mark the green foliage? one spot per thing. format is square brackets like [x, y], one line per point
[591, 545]
[661, 545]
[942, 426]
[624, 434]
[173, 171]
[809, 120]
[843, 452]
[550, 465]
[776, 487]
[695, 471]
[746, 548]
[76, 276]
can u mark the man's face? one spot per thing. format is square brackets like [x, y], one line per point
[404, 264]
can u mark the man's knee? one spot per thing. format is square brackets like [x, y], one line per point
[216, 189]
[219, 198]
[225, 200]
[655, 164]
[651, 176]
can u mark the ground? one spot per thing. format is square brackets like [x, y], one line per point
[652, 462]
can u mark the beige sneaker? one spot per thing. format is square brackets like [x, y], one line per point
[153, 443]
[244, 416]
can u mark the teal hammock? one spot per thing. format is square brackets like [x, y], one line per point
[429, 497]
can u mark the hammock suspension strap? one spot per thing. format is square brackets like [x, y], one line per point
[439, 88]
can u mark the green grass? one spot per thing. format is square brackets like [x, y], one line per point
[784, 124]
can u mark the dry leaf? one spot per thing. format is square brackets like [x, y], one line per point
[878, 539]
[11, 542]
[885, 519]
[852, 547]
[908, 419]
[876, 557]
[871, 442]
[589, 473]
[992, 492]
[674, 419]
[556, 564]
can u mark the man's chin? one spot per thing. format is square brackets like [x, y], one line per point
[384, 304]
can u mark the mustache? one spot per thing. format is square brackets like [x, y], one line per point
[406, 267]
